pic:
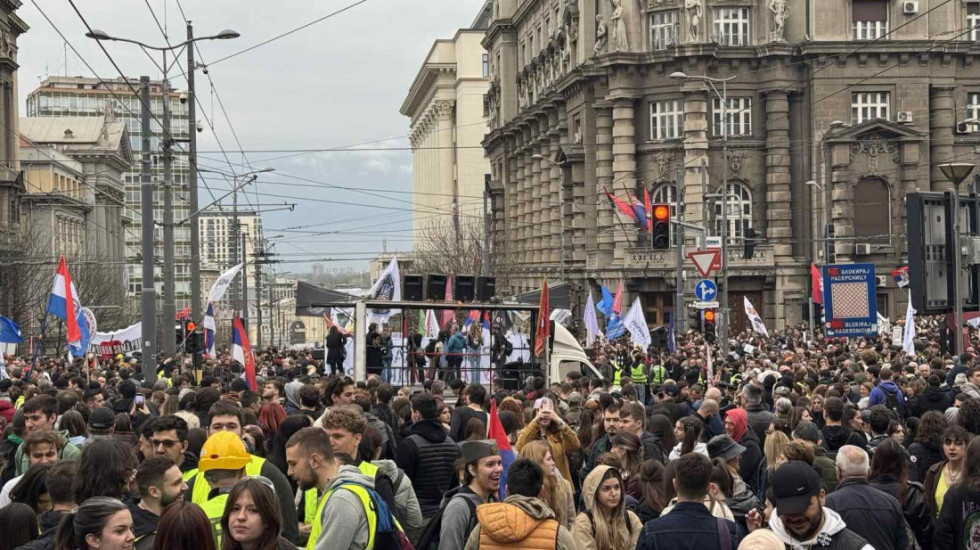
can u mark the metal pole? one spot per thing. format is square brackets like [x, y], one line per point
[148, 305]
[244, 284]
[233, 242]
[258, 292]
[957, 287]
[486, 230]
[192, 181]
[725, 311]
[169, 305]
[680, 311]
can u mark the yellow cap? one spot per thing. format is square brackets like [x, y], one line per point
[223, 451]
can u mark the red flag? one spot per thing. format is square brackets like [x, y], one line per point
[622, 206]
[184, 313]
[447, 314]
[241, 351]
[544, 325]
[816, 283]
[618, 300]
[646, 204]
[496, 432]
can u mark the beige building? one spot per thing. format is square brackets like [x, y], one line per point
[865, 98]
[11, 178]
[446, 105]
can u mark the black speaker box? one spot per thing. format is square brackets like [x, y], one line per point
[486, 288]
[412, 288]
[435, 287]
[464, 289]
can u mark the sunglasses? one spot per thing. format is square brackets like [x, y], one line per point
[261, 479]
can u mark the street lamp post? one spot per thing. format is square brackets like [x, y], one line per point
[169, 305]
[956, 172]
[723, 97]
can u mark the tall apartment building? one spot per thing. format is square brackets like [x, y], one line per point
[864, 98]
[447, 111]
[216, 230]
[89, 97]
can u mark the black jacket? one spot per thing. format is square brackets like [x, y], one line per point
[960, 506]
[751, 459]
[48, 522]
[913, 506]
[932, 399]
[689, 525]
[335, 346]
[759, 419]
[923, 456]
[873, 514]
[428, 458]
[835, 437]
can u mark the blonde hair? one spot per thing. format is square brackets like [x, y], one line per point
[555, 492]
[776, 443]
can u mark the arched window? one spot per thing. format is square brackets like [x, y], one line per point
[872, 208]
[667, 193]
[739, 211]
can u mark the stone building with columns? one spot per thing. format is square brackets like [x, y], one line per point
[836, 110]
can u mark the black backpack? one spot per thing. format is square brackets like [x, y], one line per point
[429, 539]
[892, 402]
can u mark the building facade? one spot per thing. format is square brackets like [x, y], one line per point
[447, 109]
[90, 97]
[11, 177]
[836, 109]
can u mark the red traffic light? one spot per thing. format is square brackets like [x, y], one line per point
[709, 316]
[190, 326]
[661, 212]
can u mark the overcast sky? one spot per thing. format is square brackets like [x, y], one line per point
[337, 83]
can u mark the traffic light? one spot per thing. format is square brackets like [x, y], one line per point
[661, 227]
[709, 325]
[694, 320]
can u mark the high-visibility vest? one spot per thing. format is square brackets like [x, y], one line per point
[638, 375]
[372, 517]
[310, 497]
[617, 373]
[202, 488]
[658, 374]
[215, 508]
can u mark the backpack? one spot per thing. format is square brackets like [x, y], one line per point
[387, 534]
[892, 402]
[429, 539]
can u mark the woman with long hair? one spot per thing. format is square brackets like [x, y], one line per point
[927, 446]
[605, 523]
[336, 351]
[548, 425]
[32, 489]
[776, 443]
[687, 431]
[943, 475]
[100, 523]
[557, 492]
[18, 523]
[663, 430]
[183, 526]
[252, 520]
[271, 416]
[254, 438]
[629, 450]
[888, 473]
[586, 429]
[653, 491]
[106, 468]
[74, 423]
[951, 526]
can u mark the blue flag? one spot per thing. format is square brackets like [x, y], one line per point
[606, 304]
[614, 327]
[9, 331]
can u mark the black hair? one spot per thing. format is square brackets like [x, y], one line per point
[833, 409]
[42, 402]
[59, 481]
[426, 406]
[525, 478]
[104, 469]
[170, 422]
[88, 519]
[309, 396]
[476, 394]
[151, 472]
[31, 486]
[19, 523]
[880, 417]
[693, 473]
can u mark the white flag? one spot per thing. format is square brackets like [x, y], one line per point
[908, 341]
[636, 323]
[431, 324]
[753, 315]
[591, 322]
[388, 287]
[224, 281]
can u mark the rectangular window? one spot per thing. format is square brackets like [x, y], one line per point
[731, 26]
[486, 65]
[867, 106]
[667, 119]
[973, 20]
[663, 29]
[973, 107]
[739, 116]
[870, 19]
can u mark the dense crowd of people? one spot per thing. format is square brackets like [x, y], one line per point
[787, 443]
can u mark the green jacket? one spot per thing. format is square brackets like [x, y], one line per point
[67, 452]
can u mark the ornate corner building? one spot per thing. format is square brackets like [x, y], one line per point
[836, 109]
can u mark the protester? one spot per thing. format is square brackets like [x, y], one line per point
[40, 447]
[251, 519]
[475, 396]
[605, 523]
[946, 473]
[556, 491]
[889, 474]
[874, 515]
[102, 523]
[58, 484]
[160, 484]
[522, 520]
[953, 526]
[106, 468]
[428, 456]
[345, 426]
[482, 468]
[549, 426]
[688, 431]
[185, 526]
[40, 413]
[19, 525]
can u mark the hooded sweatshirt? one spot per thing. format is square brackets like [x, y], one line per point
[292, 396]
[833, 528]
[344, 520]
[511, 522]
[582, 529]
[407, 509]
[68, 452]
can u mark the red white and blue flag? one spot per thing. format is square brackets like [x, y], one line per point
[901, 276]
[473, 317]
[241, 351]
[209, 330]
[64, 308]
[496, 432]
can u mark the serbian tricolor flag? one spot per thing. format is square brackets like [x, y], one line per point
[473, 317]
[901, 276]
[495, 431]
[544, 321]
[622, 206]
[209, 330]
[640, 211]
[649, 209]
[241, 351]
[816, 284]
[64, 308]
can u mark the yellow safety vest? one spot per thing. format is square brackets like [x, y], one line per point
[202, 488]
[215, 508]
[372, 517]
[616, 373]
[311, 500]
[637, 374]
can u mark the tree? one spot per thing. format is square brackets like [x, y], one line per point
[442, 249]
